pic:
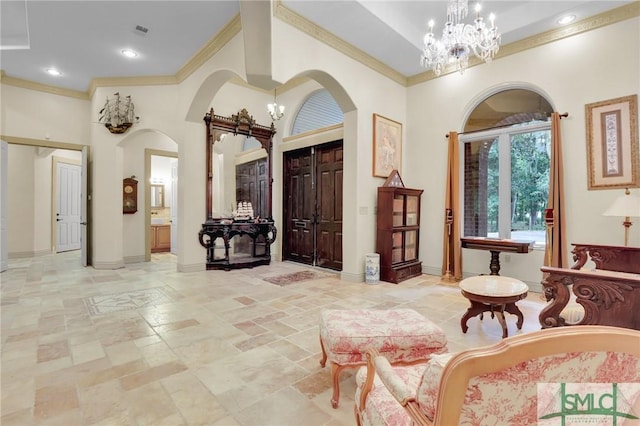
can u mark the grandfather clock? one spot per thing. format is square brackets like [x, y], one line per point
[129, 196]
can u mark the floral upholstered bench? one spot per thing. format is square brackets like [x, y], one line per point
[402, 335]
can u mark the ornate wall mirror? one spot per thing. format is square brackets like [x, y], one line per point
[251, 164]
[239, 171]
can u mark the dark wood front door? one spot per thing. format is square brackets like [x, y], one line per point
[329, 206]
[313, 205]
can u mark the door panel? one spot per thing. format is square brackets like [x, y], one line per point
[298, 239]
[84, 197]
[4, 256]
[68, 207]
[174, 206]
[313, 206]
[329, 195]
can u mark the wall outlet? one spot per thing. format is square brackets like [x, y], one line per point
[507, 258]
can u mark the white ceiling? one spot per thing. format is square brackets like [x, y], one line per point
[83, 39]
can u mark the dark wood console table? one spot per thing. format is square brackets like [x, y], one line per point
[262, 233]
[496, 246]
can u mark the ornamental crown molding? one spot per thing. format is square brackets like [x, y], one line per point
[280, 11]
[610, 17]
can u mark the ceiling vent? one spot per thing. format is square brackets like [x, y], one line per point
[141, 29]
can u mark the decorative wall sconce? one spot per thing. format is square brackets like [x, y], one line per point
[117, 115]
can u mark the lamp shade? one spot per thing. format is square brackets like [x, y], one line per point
[626, 205]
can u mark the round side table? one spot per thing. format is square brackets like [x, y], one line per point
[493, 293]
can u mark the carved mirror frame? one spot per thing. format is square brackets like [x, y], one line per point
[241, 123]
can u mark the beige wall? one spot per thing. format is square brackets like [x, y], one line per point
[571, 72]
[133, 163]
[20, 201]
[38, 115]
[593, 66]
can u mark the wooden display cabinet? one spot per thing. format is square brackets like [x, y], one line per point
[398, 231]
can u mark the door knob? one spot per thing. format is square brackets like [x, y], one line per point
[58, 219]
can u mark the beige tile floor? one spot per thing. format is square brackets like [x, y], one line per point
[146, 345]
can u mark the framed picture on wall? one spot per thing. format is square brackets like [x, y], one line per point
[387, 145]
[612, 143]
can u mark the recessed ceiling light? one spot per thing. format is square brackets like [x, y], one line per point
[566, 19]
[129, 53]
[53, 71]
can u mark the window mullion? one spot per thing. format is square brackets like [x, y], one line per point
[504, 186]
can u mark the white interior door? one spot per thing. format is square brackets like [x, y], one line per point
[174, 206]
[83, 206]
[4, 256]
[68, 207]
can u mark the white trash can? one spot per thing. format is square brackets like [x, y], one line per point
[372, 268]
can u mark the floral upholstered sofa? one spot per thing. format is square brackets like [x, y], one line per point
[500, 384]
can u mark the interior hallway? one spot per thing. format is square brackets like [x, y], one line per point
[146, 345]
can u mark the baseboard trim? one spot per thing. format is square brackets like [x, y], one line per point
[194, 267]
[430, 270]
[108, 265]
[353, 278]
[26, 254]
[134, 259]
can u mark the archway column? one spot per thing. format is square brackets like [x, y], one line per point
[106, 199]
[353, 246]
[191, 197]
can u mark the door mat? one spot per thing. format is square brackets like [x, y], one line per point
[127, 300]
[296, 277]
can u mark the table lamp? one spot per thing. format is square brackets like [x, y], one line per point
[626, 206]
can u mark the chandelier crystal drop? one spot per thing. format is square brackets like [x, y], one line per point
[275, 111]
[459, 40]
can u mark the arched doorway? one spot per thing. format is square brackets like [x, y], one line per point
[313, 188]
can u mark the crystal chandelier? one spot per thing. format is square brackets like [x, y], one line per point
[460, 39]
[275, 111]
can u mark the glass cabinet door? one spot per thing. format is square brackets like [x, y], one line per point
[410, 245]
[398, 210]
[397, 248]
[412, 210]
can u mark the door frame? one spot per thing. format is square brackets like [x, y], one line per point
[148, 153]
[60, 145]
[285, 222]
[4, 256]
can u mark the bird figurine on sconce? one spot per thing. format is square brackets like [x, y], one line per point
[118, 115]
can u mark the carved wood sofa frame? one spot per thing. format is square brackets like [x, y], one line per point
[610, 294]
[516, 365]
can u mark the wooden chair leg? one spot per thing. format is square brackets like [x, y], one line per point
[323, 361]
[335, 378]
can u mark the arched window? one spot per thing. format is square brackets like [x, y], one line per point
[318, 110]
[506, 166]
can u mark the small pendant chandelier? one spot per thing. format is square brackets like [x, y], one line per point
[459, 40]
[275, 111]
